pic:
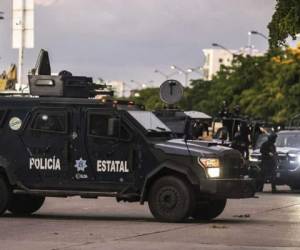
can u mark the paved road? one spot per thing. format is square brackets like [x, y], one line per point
[270, 222]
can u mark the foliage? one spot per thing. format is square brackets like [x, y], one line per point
[149, 97]
[285, 22]
[265, 87]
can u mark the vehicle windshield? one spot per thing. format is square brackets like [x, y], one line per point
[149, 121]
[288, 140]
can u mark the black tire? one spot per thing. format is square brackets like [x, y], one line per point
[295, 187]
[170, 199]
[24, 204]
[208, 210]
[5, 196]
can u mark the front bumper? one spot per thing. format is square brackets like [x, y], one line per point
[288, 177]
[228, 188]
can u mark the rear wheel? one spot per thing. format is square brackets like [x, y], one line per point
[208, 210]
[170, 199]
[5, 195]
[24, 204]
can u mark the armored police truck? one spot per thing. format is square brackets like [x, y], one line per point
[61, 141]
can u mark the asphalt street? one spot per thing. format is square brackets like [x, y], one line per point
[271, 221]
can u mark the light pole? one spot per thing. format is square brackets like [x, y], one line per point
[196, 69]
[254, 32]
[222, 47]
[182, 71]
[249, 45]
[167, 76]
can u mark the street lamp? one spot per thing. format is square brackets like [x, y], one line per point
[254, 32]
[222, 47]
[196, 69]
[167, 76]
[182, 71]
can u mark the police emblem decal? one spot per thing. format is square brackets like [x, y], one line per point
[80, 165]
[15, 123]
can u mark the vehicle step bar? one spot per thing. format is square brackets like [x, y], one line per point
[65, 193]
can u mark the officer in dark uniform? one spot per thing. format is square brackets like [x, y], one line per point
[245, 133]
[269, 160]
[237, 143]
[197, 129]
[224, 112]
[237, 111]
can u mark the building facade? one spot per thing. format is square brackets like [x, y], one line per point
[216, 57]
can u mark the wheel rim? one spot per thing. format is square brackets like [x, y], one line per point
[168, 199]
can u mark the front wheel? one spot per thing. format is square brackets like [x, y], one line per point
[295, 187]
[208, 210]
[24, 204]
[170, 199]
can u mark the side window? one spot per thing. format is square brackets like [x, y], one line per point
[104, 125]
[50, 121]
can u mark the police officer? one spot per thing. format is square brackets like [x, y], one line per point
[245, 133]
[197, 129]
[224, 112]
[269, 160]
[237, 143]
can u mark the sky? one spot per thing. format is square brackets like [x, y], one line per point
[128, 39]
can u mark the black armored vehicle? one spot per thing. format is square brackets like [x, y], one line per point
[194, 123]
[61, 141]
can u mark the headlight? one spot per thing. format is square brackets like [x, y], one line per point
[294, 158]
[292, 155]
[212, 166]
[213, 172]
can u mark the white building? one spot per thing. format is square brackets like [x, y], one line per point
[118, 87]
[214, 58]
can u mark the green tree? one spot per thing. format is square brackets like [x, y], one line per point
[265, 87]
[231, 81]
[149, 97]
[285, 22]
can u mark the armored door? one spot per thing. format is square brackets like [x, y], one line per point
[110, 148]
[47, 142]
